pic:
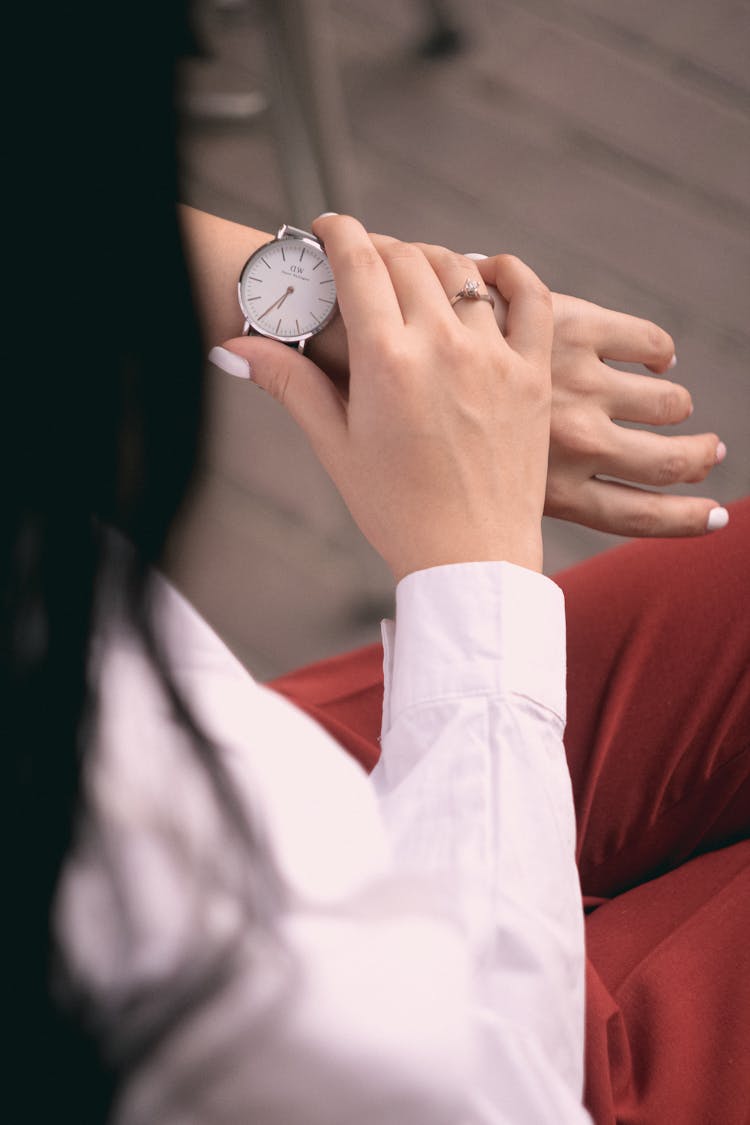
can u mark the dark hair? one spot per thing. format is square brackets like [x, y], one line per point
[101, 424]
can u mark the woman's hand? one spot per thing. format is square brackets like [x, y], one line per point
[440, 448]
[585, 442]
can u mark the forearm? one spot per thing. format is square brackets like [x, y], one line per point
[216, 251]
[472, 757]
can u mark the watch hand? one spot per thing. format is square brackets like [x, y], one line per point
[278, 302]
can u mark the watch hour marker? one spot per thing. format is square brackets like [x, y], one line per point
[299, 330]
[254, 298]
[303, 253]
[251, 278]
[283, 255]
[278, 326]
[265, 263]
[326, 281]
[325, 300]
[320, 263]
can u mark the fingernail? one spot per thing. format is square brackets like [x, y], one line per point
[477, 257]
[721, 452]
[717, 518]
[692, 408]
[230, 362]
[325, 215]
[673, 362]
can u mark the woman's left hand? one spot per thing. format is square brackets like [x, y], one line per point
[588, 396]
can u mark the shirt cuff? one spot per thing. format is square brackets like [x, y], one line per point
[484, 628]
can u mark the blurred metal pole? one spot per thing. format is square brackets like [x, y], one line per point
[312, 134]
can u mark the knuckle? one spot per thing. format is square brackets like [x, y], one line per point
[392, 354]
[702, 460]
[448, 334]
[525, 277]
[278, 384]
[655, 337]
[642, 522]
[460, 261]
[673, 469]
[671, 404]
[580, 435]
[448, 257]
[454, 340]
[395, 251]
[361, 258]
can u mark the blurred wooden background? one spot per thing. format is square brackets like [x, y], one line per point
[605, 143]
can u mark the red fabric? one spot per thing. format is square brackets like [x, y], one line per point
[658, 742]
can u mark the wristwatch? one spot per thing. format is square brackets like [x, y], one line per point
[286, 288]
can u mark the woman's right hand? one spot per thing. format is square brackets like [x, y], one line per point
[440, 450]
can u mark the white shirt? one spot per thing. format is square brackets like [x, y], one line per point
[428, 965]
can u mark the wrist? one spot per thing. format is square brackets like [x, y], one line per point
[524, 551]
[329, 350]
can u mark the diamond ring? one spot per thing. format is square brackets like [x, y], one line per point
[470, 292]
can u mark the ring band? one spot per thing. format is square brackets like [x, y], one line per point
[470, 292]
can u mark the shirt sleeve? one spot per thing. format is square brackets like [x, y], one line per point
[365, 1000]
[476, 794]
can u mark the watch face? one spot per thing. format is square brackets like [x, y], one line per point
[287, 289]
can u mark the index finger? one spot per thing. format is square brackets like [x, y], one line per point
[627, 339]
[364, 289]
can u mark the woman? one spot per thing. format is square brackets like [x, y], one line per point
[230, 937]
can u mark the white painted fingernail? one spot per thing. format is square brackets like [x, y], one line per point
[721, 452]
[230, 362]
[476, 257]
[325, 215]
[717, 518]
[672, 362]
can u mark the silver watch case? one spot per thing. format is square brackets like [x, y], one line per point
[289, 234]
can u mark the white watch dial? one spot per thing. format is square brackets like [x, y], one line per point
[287, 289]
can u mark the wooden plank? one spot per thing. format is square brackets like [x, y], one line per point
[510, 183]
[697, 39]
[278, 593]
[657, 118]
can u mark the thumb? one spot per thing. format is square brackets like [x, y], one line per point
[294, 381]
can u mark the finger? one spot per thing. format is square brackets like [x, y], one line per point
[624, 510]
[530, 322]
[296, 383]
[363, 285]
[657, 459]
[453, 271]
[628, 339]
[501, 305]
[640, 398]
[418, 289]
